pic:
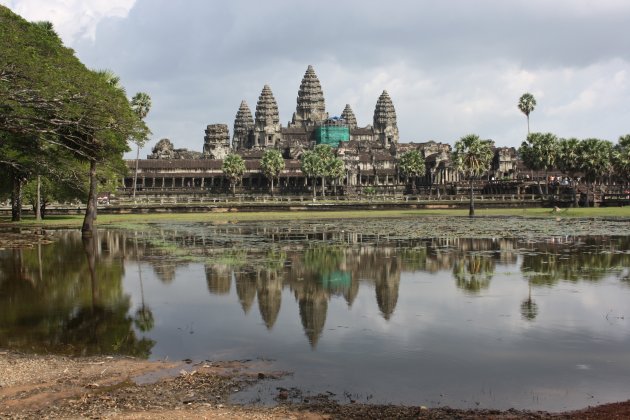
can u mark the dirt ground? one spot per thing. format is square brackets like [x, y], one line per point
[33, 386]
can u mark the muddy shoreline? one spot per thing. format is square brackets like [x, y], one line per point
[47, 386]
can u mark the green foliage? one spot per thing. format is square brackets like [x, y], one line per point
[52, 105]
[141, 105]
[621, 158]
[233, 168]
[567, 158]
[472, 156]
[595, 158]
[272, 163]
[412, 163]
[527, 103]
[539, 151]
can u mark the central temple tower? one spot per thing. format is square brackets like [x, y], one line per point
[311, 108]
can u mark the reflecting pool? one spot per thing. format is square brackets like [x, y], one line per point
[535, 323]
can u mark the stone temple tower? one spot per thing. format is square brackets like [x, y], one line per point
[243, 126]
[311, 108]
[267, 122]
[385, 127]
[348, 116]
[216, 142]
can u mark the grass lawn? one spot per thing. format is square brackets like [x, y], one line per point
[75, 221]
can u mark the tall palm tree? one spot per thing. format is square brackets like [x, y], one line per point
[233, 168]
[141, 105]
[472, 157]
[272, 163]
[539, 153]
[621, 160]
[526, 104]
[567, 162]
[595, 160]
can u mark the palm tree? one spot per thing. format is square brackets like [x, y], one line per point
[621, 159]
[539, 153]
[526, 104]
[472, 157]
[567, 162]
[233, 168]
[335, 170]
[595, 162]
[141, 105]
[310, 164]
[272, 163]
[412, 165]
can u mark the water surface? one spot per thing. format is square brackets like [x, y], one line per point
[526, 322]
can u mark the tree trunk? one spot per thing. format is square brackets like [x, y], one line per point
[528, 125]
[135, 175]
[234, 189]
[16, 199]
[471, 209]
[38, 199]
[89, 221]
[546, 182]
[576, 202]
[314, 179]
[323, 186]
[272, 186]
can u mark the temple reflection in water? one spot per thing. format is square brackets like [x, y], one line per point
[256, 264]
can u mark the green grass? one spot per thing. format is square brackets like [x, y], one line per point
[126, 220]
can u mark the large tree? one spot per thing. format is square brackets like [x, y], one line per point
[472, 157]
[272, 163]
[49, 99]
[412, 165]
[311, 166]
[539, 153]
[526, 104]
[141, 105]
[233, 168]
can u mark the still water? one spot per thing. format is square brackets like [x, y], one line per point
[527, 323]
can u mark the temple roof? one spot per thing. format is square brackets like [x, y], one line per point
[384, 112]
[311, 107]
[244, 120]
[266, 108]
[348, 116]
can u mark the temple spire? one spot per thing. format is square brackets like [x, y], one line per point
[385, 126]
[311, 108]
[243, 124]
[267, 130]
[348, 116]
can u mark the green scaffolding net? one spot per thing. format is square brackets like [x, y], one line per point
[331, 135]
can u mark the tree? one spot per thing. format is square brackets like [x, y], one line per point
[595, 162]
[326, 156]
[311, 166]
[567, 162]
[412, 164]
[539, 153]
[526, 104]
[141, 105]
[621, 159]
[335, 170]
[233, 168]
[472, 157]
[48, 98]
[272, 163]
[317, 163]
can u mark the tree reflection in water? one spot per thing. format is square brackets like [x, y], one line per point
[76, 307]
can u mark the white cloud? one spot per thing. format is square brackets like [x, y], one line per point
[72, 19]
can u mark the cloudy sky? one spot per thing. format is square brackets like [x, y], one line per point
[452, 67]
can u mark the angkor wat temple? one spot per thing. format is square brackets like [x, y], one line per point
[370, 153]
